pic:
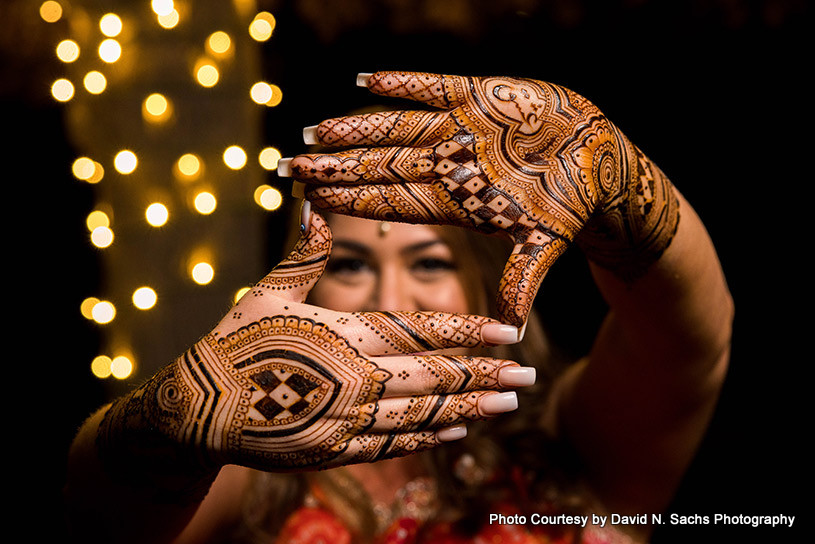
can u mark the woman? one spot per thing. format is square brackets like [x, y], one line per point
[526, 160]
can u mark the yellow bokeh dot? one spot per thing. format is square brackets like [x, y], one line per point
[156, 108]
[202, 273]
[50, 11]
[95, 82]
[86, 307]
[206, 74]
[234, 157]
[261, 92]
[111, 25]
[67, 50]
[277, 96]
[262, 26]
[125, 162]
[103, 312]
[162, 7]
[188, 166]
[268, 198]
[121, 367]
[269, 157]
[170, 20]
[157, 214]
[82, 168]
[219, 42]
[205, 203]
[144, 298]
[239, 294]
[100, 366]
[62, 90]
[102, 236]
[97, 218]
[110, 50]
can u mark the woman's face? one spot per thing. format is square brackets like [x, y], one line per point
[399, 267]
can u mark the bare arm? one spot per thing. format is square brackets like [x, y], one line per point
[638, 409]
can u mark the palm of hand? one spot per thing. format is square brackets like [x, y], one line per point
[523, 158]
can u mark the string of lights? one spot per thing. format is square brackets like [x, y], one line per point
[164, 103]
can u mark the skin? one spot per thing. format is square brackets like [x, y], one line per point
[564, 174]
[282, 385]
[524, 158]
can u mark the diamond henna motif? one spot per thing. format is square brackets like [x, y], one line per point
[285, 393]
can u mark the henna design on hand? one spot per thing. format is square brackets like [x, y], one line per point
[281, 385]
[528, 159]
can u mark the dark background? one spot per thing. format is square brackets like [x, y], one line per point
[714, 92]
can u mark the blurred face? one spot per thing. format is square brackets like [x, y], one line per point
[403, 267]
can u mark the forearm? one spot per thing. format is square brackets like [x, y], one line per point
[641, 405]
[117, 494]
[654, 262]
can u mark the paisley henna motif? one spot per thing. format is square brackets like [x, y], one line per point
[524, 158]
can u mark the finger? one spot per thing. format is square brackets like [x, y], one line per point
[408, 202]
[390, 128]
[371, 447]
[366, 165]
[390, 333]
[443, 374]
[443, 91]
[294, 277]
[522, 277]
[433, 412]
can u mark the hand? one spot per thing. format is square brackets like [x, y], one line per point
[280, 385]
[524, 158]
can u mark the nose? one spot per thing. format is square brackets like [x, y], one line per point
[393, 291]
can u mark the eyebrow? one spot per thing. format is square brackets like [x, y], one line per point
[362, 248]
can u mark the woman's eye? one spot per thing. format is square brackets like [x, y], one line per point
[346, 266]
[431, 267]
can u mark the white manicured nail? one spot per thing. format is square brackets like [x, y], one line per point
[498, 403]
[310, 135]
[522, 332]
[362, 79]
[451, 433]
[284, 167]
[305, 217]
[517, 376]
[499, 333]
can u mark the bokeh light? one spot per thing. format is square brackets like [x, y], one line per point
[144, 298]
[111, 25]
[157, 214]
[235, 157]
[125, 162]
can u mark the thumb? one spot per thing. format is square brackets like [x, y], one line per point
[524, 272]
[296, 275]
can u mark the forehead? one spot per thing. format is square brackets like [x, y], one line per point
[376, 234]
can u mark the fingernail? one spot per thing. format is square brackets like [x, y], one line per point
[451, 433]
[310, 135]
[305, 217]
[517, 376]
[284, 167]
[522, 332]
[298, 189]
[362, 79]
[499, 333]
[498, 403]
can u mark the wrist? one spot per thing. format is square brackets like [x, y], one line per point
[636, 223]
[141, 443]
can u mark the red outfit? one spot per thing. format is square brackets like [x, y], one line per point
[317, 525]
